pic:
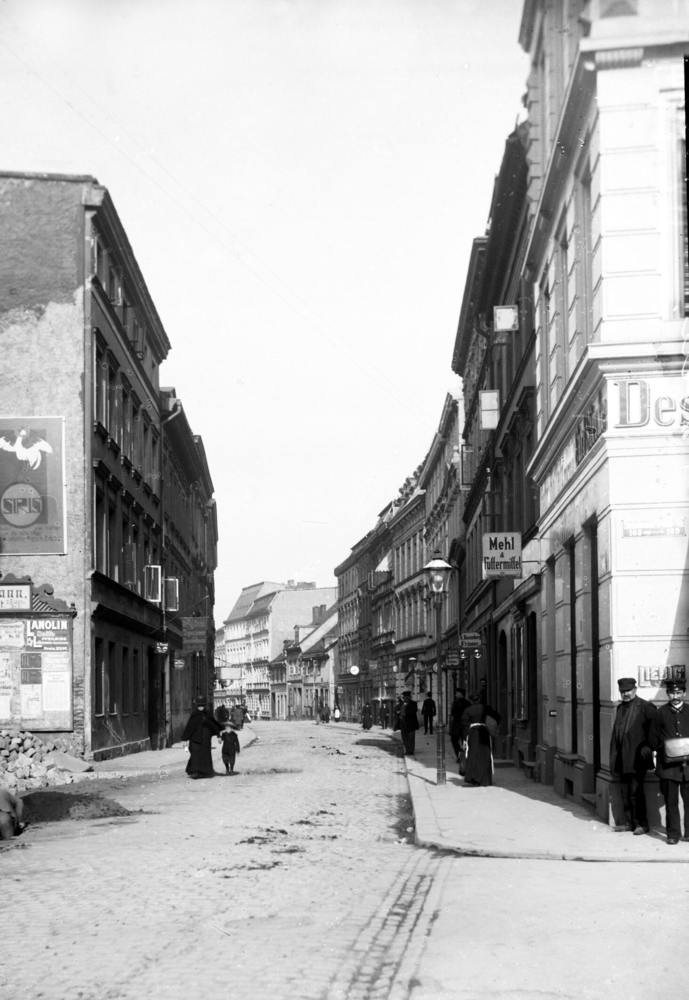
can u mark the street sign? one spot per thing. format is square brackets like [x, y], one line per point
[452, 660]
[470, 640]
[161, 647]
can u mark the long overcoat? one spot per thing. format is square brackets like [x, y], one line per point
[629, 735]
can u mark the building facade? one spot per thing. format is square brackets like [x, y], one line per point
[575, 417]
[82, 478]
[263, 617]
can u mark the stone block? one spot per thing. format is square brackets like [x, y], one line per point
[65, 762]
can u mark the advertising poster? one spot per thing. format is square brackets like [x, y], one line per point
[36, 672]
[32, 505]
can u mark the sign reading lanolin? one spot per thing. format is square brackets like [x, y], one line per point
[502, 554]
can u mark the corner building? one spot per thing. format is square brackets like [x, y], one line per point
[606, 258]
[106, 514]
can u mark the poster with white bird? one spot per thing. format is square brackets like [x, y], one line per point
[32, 483]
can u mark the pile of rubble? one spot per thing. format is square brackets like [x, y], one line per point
[27, 762]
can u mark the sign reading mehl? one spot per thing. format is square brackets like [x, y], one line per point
[502, 554]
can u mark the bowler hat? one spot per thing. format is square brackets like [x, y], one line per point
[626, 683]
[200, 702]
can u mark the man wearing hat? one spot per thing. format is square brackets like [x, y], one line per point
[630, 753]
[669, 737]
[409, 722]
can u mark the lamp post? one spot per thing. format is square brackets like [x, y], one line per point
[437, 575]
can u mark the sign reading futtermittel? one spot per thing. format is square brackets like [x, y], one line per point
[502, 554]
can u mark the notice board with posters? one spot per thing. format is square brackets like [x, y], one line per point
[32, 486]
[36, 671]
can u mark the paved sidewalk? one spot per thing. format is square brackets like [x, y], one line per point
[157, 760]
[516, 818]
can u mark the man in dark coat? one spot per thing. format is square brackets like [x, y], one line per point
[428, 712]
[457, 710]
[631, 755]
[409, 722]
[671, 724]
[200, 730]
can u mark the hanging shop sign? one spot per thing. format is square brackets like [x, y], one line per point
[505, 322]
[195, 634]
[470, 640]
[502, 554]
[32, 477]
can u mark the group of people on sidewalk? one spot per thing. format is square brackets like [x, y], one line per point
[643, 738]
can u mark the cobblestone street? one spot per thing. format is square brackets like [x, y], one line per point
[297, 878]
[286, 880]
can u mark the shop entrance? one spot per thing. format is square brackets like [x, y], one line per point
[156, 701]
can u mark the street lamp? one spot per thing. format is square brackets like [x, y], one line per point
[437, 575]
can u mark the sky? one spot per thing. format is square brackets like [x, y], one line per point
[301, 181]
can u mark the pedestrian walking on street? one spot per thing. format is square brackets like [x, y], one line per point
[631, 755]
[336, 713]
[428, 711]
[477, 739]
[222, 714]
[669, 737]
[230, 748]
[11, 815]
[483, 691]
[384, 715]
[199, 731]
[326, 713]
[366, 717]
[238, 716]
[409, 723]
[457, 710]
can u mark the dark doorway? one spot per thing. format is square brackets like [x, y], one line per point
[156, 701]
[595, 645]
[503, 685]
[532, 677]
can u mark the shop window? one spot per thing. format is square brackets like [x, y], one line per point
[113, 423]
[135, 454]
[126, 420]
[100, 529]
[113, 568]
[520, 670]
[126, 681]
[111, 668]
[100, 384]
[99, 677]
[136, 681]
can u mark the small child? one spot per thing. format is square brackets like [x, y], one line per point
[230, 749]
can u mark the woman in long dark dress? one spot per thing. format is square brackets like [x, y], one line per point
[479, 752]
[366, 717]
[200, 730]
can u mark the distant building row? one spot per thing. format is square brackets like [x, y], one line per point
[277, 650]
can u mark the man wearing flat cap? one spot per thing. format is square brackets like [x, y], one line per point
[669, 737]
[631, 755]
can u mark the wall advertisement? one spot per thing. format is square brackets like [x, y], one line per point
[36, 672]
[32, 482]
